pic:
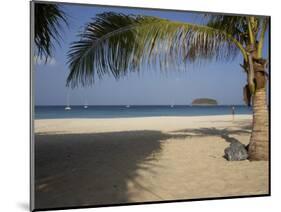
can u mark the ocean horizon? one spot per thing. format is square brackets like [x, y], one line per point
[126, 111]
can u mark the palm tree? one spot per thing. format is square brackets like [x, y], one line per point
[117, 44]
[48, 24]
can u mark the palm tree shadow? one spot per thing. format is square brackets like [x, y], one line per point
[226, 133]
[92, 169]
[223, 133]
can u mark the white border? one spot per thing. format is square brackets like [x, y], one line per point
[14, 87]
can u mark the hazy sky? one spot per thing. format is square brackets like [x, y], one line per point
[222, 81]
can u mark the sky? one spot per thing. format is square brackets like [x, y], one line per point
[223, 81]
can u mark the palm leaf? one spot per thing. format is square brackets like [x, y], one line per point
[234, 25]
[48, 24]
[237, 26]
[116, 44]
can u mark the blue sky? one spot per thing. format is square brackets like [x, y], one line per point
[222, 81]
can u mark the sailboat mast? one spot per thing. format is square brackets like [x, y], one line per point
[67, 100]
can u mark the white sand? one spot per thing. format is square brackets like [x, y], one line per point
[120, 160]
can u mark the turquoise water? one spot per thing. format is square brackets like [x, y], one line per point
[53, 112]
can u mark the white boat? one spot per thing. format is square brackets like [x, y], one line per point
[85, 103]
[67, 108]
[172, 105]
[67, 103]
[127, 106]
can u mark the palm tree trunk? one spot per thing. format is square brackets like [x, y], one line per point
[259, 141]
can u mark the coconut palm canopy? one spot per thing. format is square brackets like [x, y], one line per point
[115, 43]
[176, 75]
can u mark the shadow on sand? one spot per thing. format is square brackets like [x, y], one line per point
[223, 133]
[92, 169]
[97, 168]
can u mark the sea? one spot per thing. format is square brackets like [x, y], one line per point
[59, 112]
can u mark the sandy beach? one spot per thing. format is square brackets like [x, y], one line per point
[124, 160]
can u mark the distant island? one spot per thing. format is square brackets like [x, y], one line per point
[204, 101]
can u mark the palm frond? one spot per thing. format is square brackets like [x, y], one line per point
[264, 27]
[234, 25]
[48, 25]
[237, 26]
[116, 43]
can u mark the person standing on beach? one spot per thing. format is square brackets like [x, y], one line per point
[233, 112]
